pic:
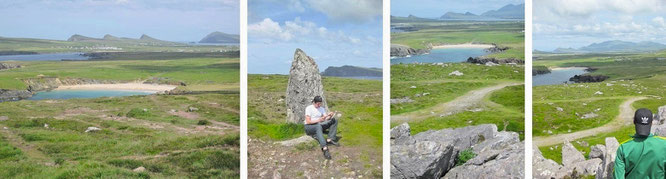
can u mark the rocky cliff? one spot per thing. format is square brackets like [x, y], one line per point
[14, 95]
[304, 84]
[433, 154]
[50, 83]
[403, 51]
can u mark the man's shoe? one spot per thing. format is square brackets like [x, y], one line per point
[327, 155]
[332, 142]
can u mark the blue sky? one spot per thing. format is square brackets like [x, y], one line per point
[333, 32]
[577, 23]
[173, 20]
[437, 8]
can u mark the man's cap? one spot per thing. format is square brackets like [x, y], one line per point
[317, 99]
[643, 121]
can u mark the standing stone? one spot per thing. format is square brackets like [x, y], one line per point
[570, 155]
[304, 85]
[661, 114]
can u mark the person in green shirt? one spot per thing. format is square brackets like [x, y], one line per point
[643, 156]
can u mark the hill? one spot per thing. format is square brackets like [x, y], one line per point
[615, 46]
[350, 71]
[219, 37]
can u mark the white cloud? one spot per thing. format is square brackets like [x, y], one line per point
[269, 29]
[296, 30]
[348, 10]
[659, 21]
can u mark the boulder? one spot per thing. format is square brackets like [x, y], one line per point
[543, 168]
[605, 170]
[505, 163]
[587, 167]
[597, 151]
[423, 159]
[570, 155]
[400, 131]
[456, 73]
[93, 129]
[501, 140]
[304, 84]
[139, 169]
[661, 114]
[296, 141]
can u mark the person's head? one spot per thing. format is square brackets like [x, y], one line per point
[317, 101]
[643, 122]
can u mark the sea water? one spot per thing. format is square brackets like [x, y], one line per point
[445, 55]
[557, 76]
[68, 94]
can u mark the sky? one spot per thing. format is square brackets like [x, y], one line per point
[333, 32]
[437, 8]
[577, 23]
[173, 20]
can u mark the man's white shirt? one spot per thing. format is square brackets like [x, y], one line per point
[314, 113]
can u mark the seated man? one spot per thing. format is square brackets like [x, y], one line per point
[317, 121]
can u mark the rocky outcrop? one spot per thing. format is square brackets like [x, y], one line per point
[304, 84]
[484, 60]
[505, 163]
[540, 70]
[570, 155]
[14, 95]
[496, 49]
[432, 154]
[601, 162]
[6, 66]
[50, 83]
[350, 71]
[586, 78]
[403, 51]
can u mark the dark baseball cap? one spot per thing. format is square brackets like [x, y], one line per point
[317, 99]
[643, 121]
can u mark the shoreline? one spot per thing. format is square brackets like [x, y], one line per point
[465, 45]
[151, 88]
[567, 68]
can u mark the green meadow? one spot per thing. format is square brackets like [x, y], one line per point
[194, 134]
[359, 101]
[560, 109]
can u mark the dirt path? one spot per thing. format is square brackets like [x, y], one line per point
[30, 150]
[269, 160]
[624, 118]
[472, 99]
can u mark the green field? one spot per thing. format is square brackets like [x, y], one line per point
[510, 34]
[359, 102]
[504, 107]
[191, 135]
[631, 75]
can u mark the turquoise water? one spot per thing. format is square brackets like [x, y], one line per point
[443, 55]
[559, 76]
[44, 57]
[68, 94]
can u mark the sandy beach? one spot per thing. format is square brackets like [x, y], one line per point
[122, 86]
[465, 45]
